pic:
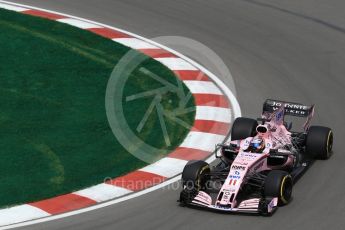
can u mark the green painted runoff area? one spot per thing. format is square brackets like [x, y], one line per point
[55, 137]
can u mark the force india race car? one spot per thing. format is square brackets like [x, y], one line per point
[258, 167]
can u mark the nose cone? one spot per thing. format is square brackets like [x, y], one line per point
[232, 185]
[239, 168]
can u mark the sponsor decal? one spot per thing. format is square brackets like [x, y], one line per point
[248, 155]
[271, 205]
[222, 207]
[297, 109]
[203, 197]
[226, 194]
[230, 190]
[293, 111]
[234, 177]
[233, 182]
[238, 167]
[290, 106]
[237, 173]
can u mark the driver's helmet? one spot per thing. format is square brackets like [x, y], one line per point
[257, 145]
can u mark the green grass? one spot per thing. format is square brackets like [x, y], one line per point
[55, 137]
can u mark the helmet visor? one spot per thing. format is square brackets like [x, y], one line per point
[256, 145]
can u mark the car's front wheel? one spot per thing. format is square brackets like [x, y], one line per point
[193, 180]
[279, 184]
[193, 174]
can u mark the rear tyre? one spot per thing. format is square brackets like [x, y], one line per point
[319, 142]
[279, 184]
[243, 128]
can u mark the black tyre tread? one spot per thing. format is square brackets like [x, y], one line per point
[243, 128]
[318, 142]
[273, 185]
[192, 171]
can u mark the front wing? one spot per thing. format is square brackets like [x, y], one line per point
[255, 205]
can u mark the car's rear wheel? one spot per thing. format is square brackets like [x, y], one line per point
[243, 128]
[279, 184]
[319, 142]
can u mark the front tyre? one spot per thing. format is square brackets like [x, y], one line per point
[319, 142]
[193, 180]
[279, 184]
[193, 175]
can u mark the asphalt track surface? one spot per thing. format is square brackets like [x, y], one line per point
[292, 50]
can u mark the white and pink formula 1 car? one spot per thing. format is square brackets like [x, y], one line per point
[258, 167]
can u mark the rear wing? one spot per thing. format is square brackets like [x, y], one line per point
[292, 109]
